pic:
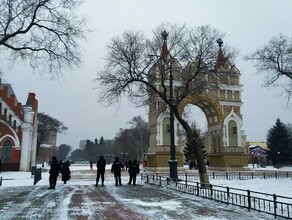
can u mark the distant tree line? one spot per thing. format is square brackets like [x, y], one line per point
[129, 143]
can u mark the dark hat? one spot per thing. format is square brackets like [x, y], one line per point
[117, 158]
[101, 157]
[54, 158]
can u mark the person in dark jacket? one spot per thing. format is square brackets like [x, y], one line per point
[133, 171]
[116, 170]
[54, 172]
[101, 163]
[65, 171]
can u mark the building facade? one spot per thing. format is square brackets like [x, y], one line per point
[18, 130]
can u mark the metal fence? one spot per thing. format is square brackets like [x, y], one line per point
[279, 206]
[235, 175]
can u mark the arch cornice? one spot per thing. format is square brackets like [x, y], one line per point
[192, 99]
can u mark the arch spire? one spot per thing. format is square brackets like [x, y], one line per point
[164, 50]
[220, 57]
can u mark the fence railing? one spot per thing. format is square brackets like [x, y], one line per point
[279, 206]
[235, 175]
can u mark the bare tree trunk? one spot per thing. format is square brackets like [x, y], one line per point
[204, 178]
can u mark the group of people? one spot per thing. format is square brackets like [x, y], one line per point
[117, 166]
[56, 168]
[63, 168]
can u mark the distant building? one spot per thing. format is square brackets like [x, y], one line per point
[18, 130]
[257, 152]
[82, 144]
[48, 147]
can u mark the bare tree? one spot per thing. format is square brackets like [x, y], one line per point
[275, 59]
[141, 69]
[46, 32]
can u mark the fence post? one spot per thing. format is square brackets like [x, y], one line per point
[287, 175]
[252, 175]
[1, 181]
[186, 176]
[227, 188]
[276, 175]
[198, 192]
[156, 176]
[211, 187]
[226, 175]
[264, 175]
[213, 175]
[239, 176]
[275, 205]
[248, 200]
[147, 179]
[159, 180]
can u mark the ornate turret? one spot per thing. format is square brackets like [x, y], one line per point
[220, 57]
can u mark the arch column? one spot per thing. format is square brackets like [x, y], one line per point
[26, 143]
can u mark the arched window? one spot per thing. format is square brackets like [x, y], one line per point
[166, 131]
[7, 151]
[232, 133]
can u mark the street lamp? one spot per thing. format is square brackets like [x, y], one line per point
[252, 160]
[172, 162]
[278, 160]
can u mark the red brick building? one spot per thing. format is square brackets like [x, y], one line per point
[18, 130]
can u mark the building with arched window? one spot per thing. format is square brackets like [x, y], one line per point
[18, 130]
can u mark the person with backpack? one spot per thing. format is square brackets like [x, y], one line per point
[133, 171]
[54, 172]
[101, 163]
[116, 170]
[65, 171]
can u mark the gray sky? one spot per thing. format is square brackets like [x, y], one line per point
[72, 100]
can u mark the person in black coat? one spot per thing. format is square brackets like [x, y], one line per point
[101, 163]
[133, 171]
[1, 164]
[54, 172]
[116, 170]
[65, 170]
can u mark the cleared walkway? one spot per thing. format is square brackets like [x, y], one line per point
[85, 201]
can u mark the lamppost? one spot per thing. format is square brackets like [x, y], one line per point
[172, 162]
[278, 160]
[252, 159]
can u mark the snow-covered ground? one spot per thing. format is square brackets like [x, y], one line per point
[282, 187]
[170, 206]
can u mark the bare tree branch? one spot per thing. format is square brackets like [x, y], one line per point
[46, 32]
[275, 59]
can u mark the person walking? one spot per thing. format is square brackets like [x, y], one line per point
[130, 163]
[133, 171]
[1, 164]
[54, 172]
[101, 163]
[116, 170]
[65, 171]
[91, 165]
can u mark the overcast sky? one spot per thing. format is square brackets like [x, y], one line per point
[249, 24]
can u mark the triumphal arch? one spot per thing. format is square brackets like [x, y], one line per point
[222, 108]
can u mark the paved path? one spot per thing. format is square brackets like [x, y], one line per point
[110, 202]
